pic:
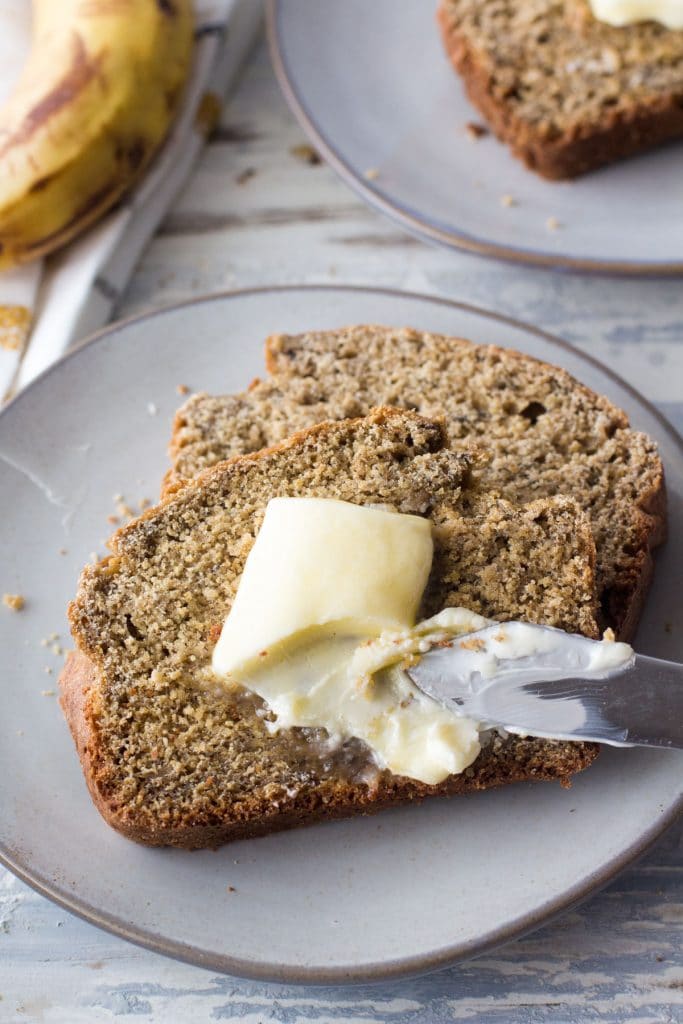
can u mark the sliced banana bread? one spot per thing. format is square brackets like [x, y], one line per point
[568, 93]
[169, 757]
[547, 434]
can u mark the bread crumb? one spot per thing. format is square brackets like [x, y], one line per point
[608, 635]
[231, 888]
[63, 551]
[14, 601]
[182, 389]
[113, 520]
[476, 131]
[372, 174]
[475, 644]
[144, 503]
[306, 153]
[553, 224]
[57, 650]
[20, 732]
[47, 693]
[152, 409]
[244, 176]
[124, 511]
[508, 200]
[117, 497]
[47, 670]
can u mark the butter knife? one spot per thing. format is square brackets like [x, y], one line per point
[537, 681]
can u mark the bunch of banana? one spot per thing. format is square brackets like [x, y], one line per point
[92, 105]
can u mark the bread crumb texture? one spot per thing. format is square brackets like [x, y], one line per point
[169, 757]
[15, 602]
[546, 434]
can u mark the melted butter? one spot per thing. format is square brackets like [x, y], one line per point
[357, 688]
[323, 618]
[628, 12]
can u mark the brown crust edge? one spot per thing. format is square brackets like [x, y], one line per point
[378, 414]
[78, 685]
[587, 147]
[653, 506]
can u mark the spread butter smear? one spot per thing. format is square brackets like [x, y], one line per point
[324, 618]
[627, 12]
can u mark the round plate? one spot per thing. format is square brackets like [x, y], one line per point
[407, 891]
[371, 85]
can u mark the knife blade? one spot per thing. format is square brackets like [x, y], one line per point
[538, 681]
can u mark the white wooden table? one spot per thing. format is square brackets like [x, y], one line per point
[254, 214]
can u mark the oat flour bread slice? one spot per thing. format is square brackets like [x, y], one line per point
[546, 433]
[169, 758]
[568, 93]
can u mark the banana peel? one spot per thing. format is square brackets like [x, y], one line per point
[93, 103]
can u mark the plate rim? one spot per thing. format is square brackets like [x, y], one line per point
[398, 967]
[420, 227]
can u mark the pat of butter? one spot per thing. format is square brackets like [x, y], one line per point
[324, 565]
[627, 12]
[324, 616]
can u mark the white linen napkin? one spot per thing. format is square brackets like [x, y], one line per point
[75, 292]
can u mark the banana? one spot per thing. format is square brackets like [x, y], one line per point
[93, 103]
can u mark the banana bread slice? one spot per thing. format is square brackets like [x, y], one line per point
[547, 434]
[169, 758]
[568, 93]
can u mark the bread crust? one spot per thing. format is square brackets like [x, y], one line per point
[527, 761]
[619, 134]
[628, 604]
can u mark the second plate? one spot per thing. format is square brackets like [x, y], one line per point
[371, 85]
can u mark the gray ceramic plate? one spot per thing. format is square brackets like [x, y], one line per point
[372, 87]
[408, 891]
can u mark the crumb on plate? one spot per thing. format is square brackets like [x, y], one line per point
[476, 131]
[244, 176]
[306, 153]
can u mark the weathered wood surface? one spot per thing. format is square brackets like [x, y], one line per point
[257, 214]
